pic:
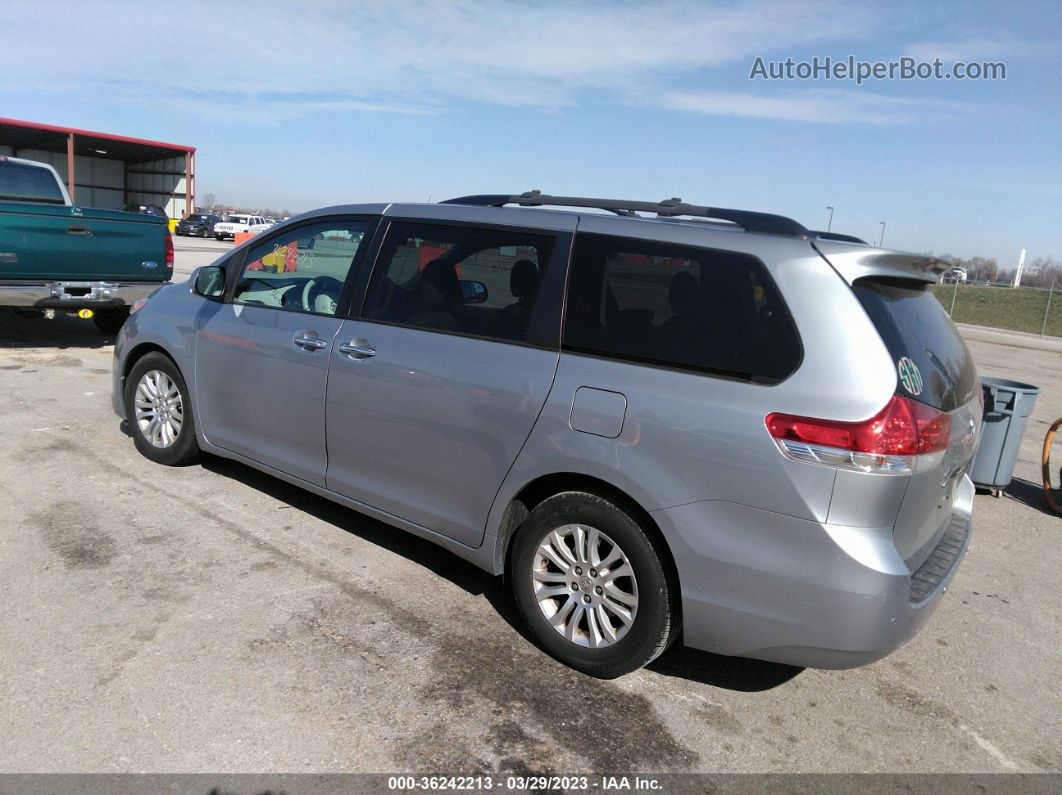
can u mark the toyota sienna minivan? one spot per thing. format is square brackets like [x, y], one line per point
[656, 419]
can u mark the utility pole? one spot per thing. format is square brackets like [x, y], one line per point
[829, 224]
[882, 238]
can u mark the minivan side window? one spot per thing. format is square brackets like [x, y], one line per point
[459, 279]
[302, 270]
[678, 306]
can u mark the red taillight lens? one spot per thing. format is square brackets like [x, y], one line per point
[169, 250]
[903, 427]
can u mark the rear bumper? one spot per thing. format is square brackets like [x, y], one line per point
[75, 294]
[773, 587]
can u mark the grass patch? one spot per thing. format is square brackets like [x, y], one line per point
[1020, 309]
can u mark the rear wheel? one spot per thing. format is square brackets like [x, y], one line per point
[159, 412]
[110, 321]
[592, 586]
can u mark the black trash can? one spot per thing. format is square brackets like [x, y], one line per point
[1008, 405]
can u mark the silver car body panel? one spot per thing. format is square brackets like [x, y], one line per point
[439, 434]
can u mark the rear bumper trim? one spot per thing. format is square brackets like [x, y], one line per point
[940, 564]
[75, 294]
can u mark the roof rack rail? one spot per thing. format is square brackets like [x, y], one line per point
[839, 237]
[747, 220]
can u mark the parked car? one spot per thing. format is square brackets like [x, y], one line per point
[55, 256]
[146, 209]
[731, 430]
[198, 225]
[954, 275]
[236, 224]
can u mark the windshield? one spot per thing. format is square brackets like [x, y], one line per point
[238, 219]
[22, 182]
[933, 363]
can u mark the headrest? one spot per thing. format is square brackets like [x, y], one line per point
[524, 279]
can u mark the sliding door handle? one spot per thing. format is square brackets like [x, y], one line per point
[310, 342]
[356, 351]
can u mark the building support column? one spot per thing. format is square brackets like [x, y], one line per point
[70, 167]
[188, 209]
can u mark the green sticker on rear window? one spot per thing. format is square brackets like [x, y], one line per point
[909, 376]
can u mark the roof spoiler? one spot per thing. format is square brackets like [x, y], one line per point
[859, 262]
[839, 237]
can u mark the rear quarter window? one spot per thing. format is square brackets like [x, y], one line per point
[678, 306]
[913, 325]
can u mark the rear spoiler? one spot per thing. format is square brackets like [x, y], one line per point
[855, 261]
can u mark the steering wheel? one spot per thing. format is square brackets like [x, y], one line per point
[321, 286]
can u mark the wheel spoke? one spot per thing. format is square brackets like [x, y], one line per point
[593, 631]
[561, 546]
[559, 618]
[574, 621]
[549, 553]
[623, 570]
[549, 576]
[579, 537]
[593, 539]
[613, 555]
[605, 624]
[552, 592]
[619, 595]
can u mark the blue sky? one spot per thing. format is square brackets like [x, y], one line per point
[303, 105]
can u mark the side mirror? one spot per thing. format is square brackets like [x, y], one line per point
[209, 282]
[473, 292]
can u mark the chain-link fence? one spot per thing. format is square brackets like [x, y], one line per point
[1031, 309]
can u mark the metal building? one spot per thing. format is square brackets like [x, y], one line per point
[108, 171]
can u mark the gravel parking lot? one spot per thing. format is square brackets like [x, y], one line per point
[213, 618]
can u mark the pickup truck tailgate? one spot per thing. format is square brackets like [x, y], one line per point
[43, 242]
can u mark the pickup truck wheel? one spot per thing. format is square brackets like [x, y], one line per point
[110, 321]
[159, 412]
[592, 586]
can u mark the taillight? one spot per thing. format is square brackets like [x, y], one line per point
[169, 250]
[904, 436]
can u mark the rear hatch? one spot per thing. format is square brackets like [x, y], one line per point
[58, 242]
[934, 367]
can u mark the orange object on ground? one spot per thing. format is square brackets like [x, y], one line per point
[239, 237]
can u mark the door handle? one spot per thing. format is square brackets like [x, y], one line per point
[78, 229]
[357, 351]
[310, 342]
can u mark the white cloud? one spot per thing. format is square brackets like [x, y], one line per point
[826, 106]
[260, 61]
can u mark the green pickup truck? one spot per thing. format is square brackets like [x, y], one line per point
[57, 257]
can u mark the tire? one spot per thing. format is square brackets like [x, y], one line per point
[652, 621]
[219, 237]
[176, 449]
[110, 321]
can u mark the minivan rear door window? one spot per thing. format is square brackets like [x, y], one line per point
[933, 363]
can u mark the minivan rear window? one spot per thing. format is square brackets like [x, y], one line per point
[915, 328]
[25, 183]
[678, 306]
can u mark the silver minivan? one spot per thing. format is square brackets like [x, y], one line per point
[657, 420]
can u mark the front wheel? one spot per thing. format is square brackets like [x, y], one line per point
[219, 237]
[158, 411]
[592, 585]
